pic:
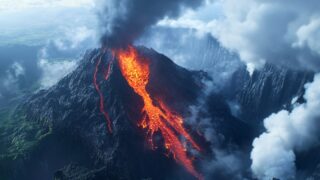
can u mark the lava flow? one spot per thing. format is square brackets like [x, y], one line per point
[96, 85]
[156, 115]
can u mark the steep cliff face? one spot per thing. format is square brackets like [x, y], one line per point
[268, 90]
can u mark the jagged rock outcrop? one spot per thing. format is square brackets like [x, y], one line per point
[266, 91]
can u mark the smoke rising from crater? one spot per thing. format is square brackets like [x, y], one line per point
[122, 21]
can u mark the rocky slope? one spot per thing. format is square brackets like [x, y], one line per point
[60, 132]
[266, 91]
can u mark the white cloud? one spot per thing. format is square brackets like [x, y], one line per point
[283, 32]
[10, 82]
[15, 5]
[76, 37]
[18, 70]
[54, 71]
[309, 36]
[287, 132]
[39, 22]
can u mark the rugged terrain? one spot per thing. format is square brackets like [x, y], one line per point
[60, 133]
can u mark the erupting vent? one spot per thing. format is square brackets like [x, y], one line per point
[156, 115]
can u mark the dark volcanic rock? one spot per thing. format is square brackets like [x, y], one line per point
[267, 91]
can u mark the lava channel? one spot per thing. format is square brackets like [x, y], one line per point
[135, 69]
[96, 85]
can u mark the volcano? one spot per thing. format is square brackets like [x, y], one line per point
[89, 125]
[97, 123]
[126, 114]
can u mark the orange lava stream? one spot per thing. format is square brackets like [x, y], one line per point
[96, 85]
[156, 115]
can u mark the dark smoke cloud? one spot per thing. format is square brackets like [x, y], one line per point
[124, 20]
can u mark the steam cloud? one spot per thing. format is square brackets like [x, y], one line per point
[287, 132]
[123, 21]
[282, 32]
[55, 71]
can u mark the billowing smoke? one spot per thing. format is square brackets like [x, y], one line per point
[273, 153]
[123, 21]
[226, 161]
[282, 32]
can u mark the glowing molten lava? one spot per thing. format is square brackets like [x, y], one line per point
[96, 85]
[156, 115]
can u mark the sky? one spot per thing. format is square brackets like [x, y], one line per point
[18, 5]
[39, 38]
[36, 21]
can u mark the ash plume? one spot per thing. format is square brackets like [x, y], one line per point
[122, 21]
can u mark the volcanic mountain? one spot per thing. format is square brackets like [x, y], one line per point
[89, 125]
[112, 119]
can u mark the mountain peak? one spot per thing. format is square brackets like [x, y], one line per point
[68, 115]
